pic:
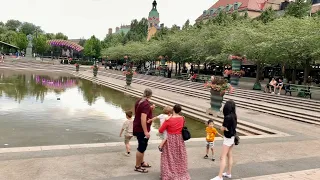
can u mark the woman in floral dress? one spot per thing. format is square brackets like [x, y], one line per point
[174, 164]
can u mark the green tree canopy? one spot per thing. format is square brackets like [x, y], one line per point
[92, 47]
[40, 44]
[21, 41]
[13, 25]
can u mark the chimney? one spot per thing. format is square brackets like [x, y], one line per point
[117, 29]
[110, 31]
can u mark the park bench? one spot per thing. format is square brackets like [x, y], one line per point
[203, 78]
[183, 76]
[303, 91]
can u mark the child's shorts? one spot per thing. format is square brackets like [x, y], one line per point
[210, 144]
[127, 139]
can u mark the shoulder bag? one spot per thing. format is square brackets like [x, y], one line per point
[236, 140]
[185, 132]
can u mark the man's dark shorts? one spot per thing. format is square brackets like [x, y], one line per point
[142, 142]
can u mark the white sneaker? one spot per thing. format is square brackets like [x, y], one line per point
[278, 93]
[226, 175]
[272, 93]
[217, 178]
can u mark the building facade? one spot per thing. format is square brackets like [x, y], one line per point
[122, 29]
[253, 7]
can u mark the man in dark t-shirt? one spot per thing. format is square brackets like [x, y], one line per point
[141, 129]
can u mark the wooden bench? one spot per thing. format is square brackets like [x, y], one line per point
[203, 78]
[303, 91]
[183, 76]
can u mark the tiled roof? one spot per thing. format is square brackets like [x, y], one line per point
[253, 5]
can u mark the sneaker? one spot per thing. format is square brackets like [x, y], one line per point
[217, 178]
[206, 157]
[160, 149]
[213, 159]
[272, 93]
[226, 175]
[278, 93]
[127, 154]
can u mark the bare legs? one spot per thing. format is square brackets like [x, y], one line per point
[162, 143]
[139, 158]
[128, 147]
[226, 152]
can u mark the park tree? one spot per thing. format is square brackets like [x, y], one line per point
[186, 25]
[13, 25]
[92, 47]
[138, 31]
[1, 24]
[267, 15]
[40, 44]
[299, 8]
[60, 35]
[50, 36]
[9, 37]
[29, 28]
[21, 41]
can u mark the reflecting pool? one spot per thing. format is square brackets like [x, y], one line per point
[39, 109]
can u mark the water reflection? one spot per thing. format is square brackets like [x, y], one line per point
[57, 109]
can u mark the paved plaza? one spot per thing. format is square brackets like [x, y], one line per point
[291, 153]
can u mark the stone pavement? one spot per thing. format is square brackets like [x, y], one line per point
[313, 174]
[254, 157]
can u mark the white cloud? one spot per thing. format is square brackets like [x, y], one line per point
[83, 18]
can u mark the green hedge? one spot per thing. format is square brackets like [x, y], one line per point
[82, 62]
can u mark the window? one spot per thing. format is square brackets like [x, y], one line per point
[315, 1]
[228, 7]
[205, 12]
[237, 5]
[212, 11]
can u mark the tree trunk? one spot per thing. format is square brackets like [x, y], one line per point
[199, 67]
[179, 72]
[258, 73]
[294, 75]
[283, 70]
[306, 71]
[176, 68]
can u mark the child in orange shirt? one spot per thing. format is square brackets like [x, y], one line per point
[211, 134]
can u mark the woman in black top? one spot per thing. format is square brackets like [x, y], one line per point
[229, 130]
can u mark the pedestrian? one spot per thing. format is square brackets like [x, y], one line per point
[141, 128]
[229, 126]
[167, 111]
[211, 134]
[127, 128]
[174, 163]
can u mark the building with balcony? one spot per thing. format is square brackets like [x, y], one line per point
[253, 7]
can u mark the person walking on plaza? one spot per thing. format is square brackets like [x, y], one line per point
[211, 134]
[229, 126]
[141, 128]
[174, 163]
[128, 131]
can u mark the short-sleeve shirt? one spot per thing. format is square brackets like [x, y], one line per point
[211, 134]
[230, 123]
[128, 128]
[162, 118]
[141, 107]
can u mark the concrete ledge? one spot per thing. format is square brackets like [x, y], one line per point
[112, 144]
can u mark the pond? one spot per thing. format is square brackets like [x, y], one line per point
[38, 109]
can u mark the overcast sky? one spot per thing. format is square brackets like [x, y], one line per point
[83, 18]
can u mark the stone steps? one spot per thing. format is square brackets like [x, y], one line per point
[245, 128]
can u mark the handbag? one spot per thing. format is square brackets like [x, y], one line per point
[236, 140]
[186, 135]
